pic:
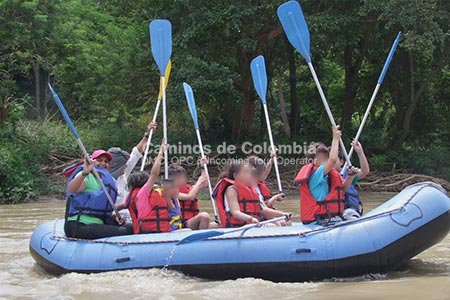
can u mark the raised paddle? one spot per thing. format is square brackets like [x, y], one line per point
[161, 45]
[81, 145]
[213, 233]
[155, 114]
[259, 75]
[375, 92]
[294, 25]
[193, 110]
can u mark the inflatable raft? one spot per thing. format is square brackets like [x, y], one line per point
[382, 240]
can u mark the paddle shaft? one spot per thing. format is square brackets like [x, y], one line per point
[205, 167]
[375, 92]
[74, 131]
[269, 130]
[166, 154]
[328, 110]
[279, 219]
[150, 135]
[363, 122]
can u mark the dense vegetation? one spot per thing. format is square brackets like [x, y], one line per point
[97, 55]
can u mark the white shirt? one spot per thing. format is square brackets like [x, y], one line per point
[122, 180]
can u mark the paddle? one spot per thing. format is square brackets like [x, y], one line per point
[375, 92]
[294, 25]
[193, 109]
[155, 114]
[161, 45]
[259, 75]
[81, 145]
[213, 233]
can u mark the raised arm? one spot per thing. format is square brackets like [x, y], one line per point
[156, 169]
[77, 185]
[141, 145]
[364, 164]
[269, 165]
[333, 158]
[201, 183]
[352, 172]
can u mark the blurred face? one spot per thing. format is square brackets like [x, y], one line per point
[181, 179]
[321, 158]
[339, 164]
[246, 176]
[102, 161]
[170, 189]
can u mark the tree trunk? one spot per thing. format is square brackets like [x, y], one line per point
[284, 117]
[4, 110]
[37, 87]
[413, 97]
[246, 87]
[294, 121]
[352, 68]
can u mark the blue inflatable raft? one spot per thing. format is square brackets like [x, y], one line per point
[382, 240]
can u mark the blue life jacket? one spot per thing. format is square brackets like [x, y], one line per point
[352, 196]
[92, 203]
[175, 216]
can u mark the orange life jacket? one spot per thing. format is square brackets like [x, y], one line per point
[156, 221]
[189, 208]
[265, 191]
[333, 205]
[248, 202]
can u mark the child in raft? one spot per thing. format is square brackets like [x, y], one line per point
[321, 186]
[237, 200]
[353, 205]
[262, 171]
[190, 214]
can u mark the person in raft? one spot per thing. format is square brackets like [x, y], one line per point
[237, 200]
[191, 216]
[135, 182]
[321, 186]
[262, 171]
[121, 166]
[88, 210]
[353, 205]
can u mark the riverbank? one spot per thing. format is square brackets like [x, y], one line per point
[33, 155]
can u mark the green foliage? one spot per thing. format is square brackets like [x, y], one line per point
[97, 56]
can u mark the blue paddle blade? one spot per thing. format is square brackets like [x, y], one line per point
[191, 103]
[389, 59]
[259, 75]
[295, 27]
[161, 43]
[200, 236]
[64, 112]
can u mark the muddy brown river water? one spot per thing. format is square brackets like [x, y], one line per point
[427, 276]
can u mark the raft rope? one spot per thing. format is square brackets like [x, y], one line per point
[300, 234]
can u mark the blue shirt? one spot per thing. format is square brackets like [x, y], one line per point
[318, 184]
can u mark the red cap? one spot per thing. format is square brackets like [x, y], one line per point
[98, 153]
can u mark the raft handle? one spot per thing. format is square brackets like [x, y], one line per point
[123, 259]
[302, 250]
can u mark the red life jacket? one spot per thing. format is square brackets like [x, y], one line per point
[248, 202]
[311, 209]
[157, 219]
[189, 208]
[265, 191]
[130, 203]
